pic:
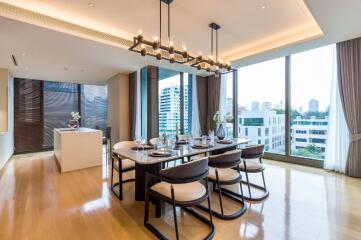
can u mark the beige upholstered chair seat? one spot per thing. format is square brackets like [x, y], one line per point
[126, 164]
[224, 174]
[251, 164]
[182, 192]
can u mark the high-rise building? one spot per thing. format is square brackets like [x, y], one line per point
[263, 127]
[169, 109]
[313, 105]
[311, 131]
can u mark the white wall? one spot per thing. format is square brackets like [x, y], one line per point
[118, 107]
[7, 138]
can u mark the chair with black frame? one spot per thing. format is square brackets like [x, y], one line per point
[107, 140]
[252, 163]
[222, 172]
[180, 186]
[121, 166]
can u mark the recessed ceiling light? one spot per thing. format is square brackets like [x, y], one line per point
[263, 7]
[91, 4]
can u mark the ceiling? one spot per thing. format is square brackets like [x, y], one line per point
[252, 31]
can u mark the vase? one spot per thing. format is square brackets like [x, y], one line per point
[220, 132]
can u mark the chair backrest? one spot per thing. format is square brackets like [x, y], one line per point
[108, 132]
[124, 144]
[188, 172]
[253, 151]
[226, 160]
[153, 141]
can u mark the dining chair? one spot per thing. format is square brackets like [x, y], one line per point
[180, 186]
[252, 163]
[221, 173]
[121, 166]
[107, 141]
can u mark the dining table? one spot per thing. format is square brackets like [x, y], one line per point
[146, 162]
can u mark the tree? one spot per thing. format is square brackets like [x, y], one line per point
[310, 151]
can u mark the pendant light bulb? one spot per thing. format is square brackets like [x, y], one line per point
[171, 60]
[158, 55]
[143, 51]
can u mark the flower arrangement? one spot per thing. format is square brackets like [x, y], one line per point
[74, 122]
[75, 116]
[222, 118]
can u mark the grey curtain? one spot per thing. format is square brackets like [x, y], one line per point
[202, 94]
[208, 91]
[132, 103]
[214, 91]
[349, 79]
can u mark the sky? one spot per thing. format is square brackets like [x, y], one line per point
[311, 75]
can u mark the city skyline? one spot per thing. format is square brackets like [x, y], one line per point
[311, 75]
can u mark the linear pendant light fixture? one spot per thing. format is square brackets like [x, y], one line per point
[170, 53]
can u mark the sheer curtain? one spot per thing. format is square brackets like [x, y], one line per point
[196, 128]
[223, 95]
[337, 136]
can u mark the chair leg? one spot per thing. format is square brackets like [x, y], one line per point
[174, 213]
[248, 184]
[241, 191]
[111, 177]
[219, 192]
[120, 175]
[264, 182]
[210, 209]
[220, 198]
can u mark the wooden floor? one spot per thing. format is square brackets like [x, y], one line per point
[36, 202]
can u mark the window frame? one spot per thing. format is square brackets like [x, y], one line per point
[286, 157]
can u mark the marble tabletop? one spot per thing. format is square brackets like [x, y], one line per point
[143, 157]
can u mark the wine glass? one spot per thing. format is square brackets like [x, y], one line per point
[137, 141]
[211, 135]
[143, 142]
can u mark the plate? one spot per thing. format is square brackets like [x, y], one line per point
[146, 147]
[161, 153]
[228, 141]
[201, 146]
[181, 142]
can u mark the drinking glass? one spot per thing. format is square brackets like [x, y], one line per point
[204, 139]
[143, 142]
[137, 141]
[211, 135]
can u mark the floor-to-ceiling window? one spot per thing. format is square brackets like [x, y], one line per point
[94, 106]
[187, 102]
[175, 96]
[311, 75]
[261, 98]
[60, 99]
[226, 100]
[296, 88]
[41, 106]
[169, 101]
